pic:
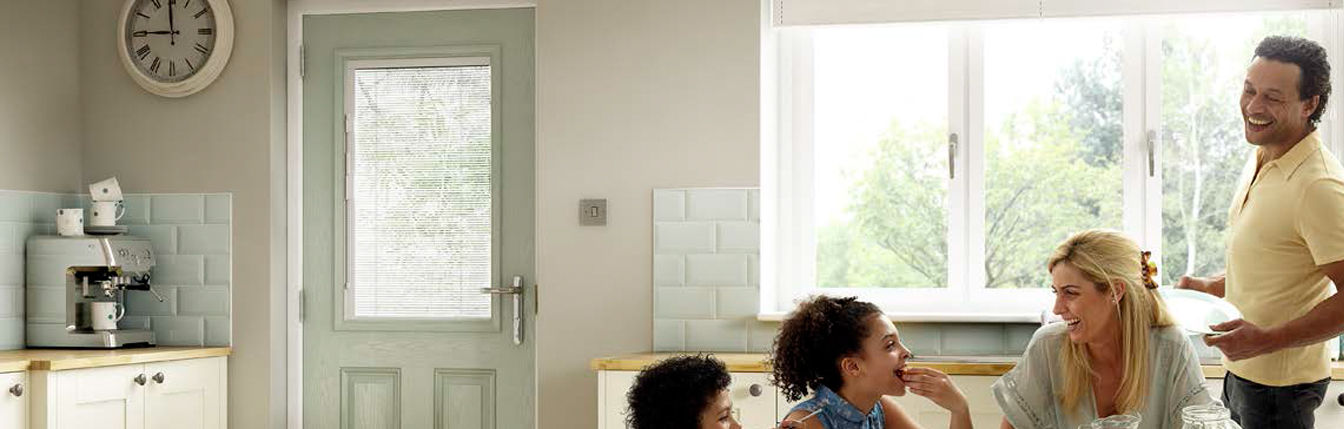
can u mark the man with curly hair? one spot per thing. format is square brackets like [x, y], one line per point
[1285, 244]
[682, 392]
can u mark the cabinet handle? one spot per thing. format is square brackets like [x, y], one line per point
[158, 378]
[1340, 399]
[755, 390]
[17, 390]
[139, 379]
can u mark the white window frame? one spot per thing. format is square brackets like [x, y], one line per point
[788, 258]
[349, 61]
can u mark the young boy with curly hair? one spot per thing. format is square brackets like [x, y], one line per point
[683, 392]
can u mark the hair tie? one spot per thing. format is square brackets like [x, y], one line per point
[1148, 269]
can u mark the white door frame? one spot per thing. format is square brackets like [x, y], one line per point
[297, 9]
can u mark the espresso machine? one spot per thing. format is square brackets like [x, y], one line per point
[68, 275]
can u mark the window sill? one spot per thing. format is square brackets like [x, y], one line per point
[934, 317]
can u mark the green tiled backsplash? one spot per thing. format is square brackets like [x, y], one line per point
[191, 234]
[706, 262]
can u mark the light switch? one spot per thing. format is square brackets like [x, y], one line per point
[593, 212]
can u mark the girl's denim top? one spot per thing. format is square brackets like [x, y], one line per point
[837, 413]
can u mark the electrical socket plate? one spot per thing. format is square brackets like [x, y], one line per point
[593, 212]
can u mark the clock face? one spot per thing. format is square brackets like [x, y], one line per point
[170, 40]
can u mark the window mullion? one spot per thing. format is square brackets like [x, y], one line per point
[1151, 238]
[974, 180]
[956, 189]
[1141, 164]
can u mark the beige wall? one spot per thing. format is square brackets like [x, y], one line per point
[632, 95]
[222, 139]
[39, 96]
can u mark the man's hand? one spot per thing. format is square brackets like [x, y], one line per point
[1243, 340]
[1210, 285]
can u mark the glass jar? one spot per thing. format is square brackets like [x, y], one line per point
[1211, 416]
[1118, 421]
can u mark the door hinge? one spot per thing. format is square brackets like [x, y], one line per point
[303, 62]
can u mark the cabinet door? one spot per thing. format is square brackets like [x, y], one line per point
[753, 399]
[1331, 412]
[103, 398]
[984, 411]
[1329, 415]
[980, 399]
[184, 394]
[14, 401]
[612, 386]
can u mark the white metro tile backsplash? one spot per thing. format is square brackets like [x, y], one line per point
[706, 281]
[191, 234]
[704, 245]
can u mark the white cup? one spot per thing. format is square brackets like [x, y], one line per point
[70, 222]
[106, 213]
[106, 315]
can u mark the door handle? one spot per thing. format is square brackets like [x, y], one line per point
[517, 293]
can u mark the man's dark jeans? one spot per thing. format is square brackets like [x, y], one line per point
[1256, 406]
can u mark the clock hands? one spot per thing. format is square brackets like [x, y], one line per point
[172, 35]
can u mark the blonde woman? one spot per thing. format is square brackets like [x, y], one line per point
[1117, 351]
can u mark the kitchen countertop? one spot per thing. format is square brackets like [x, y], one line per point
[973, 365]
[64, 359]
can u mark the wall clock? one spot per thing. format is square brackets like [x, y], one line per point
[175, 48]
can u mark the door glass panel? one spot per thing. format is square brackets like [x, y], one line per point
[421, 203]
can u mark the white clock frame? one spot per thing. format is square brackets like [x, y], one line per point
[209, 71]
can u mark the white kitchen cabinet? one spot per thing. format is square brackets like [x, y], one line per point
[1331, 412]
[984, 411]
[186, 394]
[14, 400]
[1329, 415]
[182, 394]
[753, 398]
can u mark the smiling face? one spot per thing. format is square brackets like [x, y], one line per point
[1272, 110]
[719, 413]
[881, 360]
[1089, 312]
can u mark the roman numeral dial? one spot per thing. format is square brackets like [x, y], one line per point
[169, 41]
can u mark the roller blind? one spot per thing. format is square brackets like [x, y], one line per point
[421, 192]
[825, 12]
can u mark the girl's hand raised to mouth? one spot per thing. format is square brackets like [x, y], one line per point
[937, 387]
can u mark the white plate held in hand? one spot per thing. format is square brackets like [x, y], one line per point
[1196, 311]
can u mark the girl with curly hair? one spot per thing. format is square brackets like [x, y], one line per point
[682, 392]
[850, 357]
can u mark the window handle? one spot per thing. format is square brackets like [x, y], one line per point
[952, 156]
[1152, 144]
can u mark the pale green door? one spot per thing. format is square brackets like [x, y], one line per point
[418, 194]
